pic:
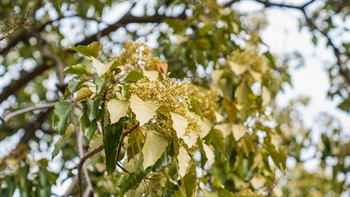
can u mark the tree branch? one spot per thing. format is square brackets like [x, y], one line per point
[81, 164]
[28, 109]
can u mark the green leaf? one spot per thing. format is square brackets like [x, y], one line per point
[88, 128]
[100, 85]
[61, 114]
[314, 40]
[90, 50]
[70, 130]
[117, 109]
[144, 110]
[78, 69]
[112, 140]
[153, 148]
[170, 189]
[72, 84]
[134, 76]
[134, 179]
[92, 108]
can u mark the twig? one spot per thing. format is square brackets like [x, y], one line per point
[13, 29]
[81, 164]
[71, 187]
[121, 167]
[273, 185]
[131, 130]
[28, 109]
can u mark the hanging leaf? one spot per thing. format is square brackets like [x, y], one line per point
[70, 130]
[111, 140]
[266, 96]
[239, 131]
[117, 109]
[61, 114]
[209, 153]
[144, 110]
[134, 179]
[236, 68]
[83, 93]
[153, 148]
[179, 124]
[90, 50]
[92, 108]
[183, 162]
[100, 84]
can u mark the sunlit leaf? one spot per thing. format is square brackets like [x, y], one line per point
[258, 182]
[209, 153]
[83, 93]
[183, 161]
[78, 69]
[179, 124]
[151, 74]
[144, 110]
[266, 96]
[239, 131]
[89, 50]
[153, 148]
[236, 68]
[117, 109]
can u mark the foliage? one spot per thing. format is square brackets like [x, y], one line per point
[203, 123]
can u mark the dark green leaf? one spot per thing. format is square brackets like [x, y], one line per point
[112, 141]
[134, 76]
[89, 50]
[79, 69]
[61, 114]
[88, 128]
[170, 189]
[134, 179]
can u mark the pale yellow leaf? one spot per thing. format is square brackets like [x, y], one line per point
[205, 125]
[209, 153]
[179, 124]
[144, 110]
[236, 68]
[100, 67]
[151, 74]
[266, 96]
[117, 109]
[153, 148]
[239, 131]
[225, 128]
[216, 76]
[184, 160]
[218, 117]
[257, 182]
[190, 139]
[256, 76]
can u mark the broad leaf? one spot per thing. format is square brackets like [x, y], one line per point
[236, 68]
[88, 128]
[100, 85]
[239, 131]
[151, 74]
[78, 69]
[257, 182]
[111, 140]
[90, 50]
[70, 130]
[179, 124]
[144, 110]
[100, 67]
[266, 96]
[153, 148]
[209, 153]
[92, 108]
[83, 93]
[134, 179]
[134, 76]
[117, 109]
[61, 114]
[183, 162]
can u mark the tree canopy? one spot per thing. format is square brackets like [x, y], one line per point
[174, 98]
